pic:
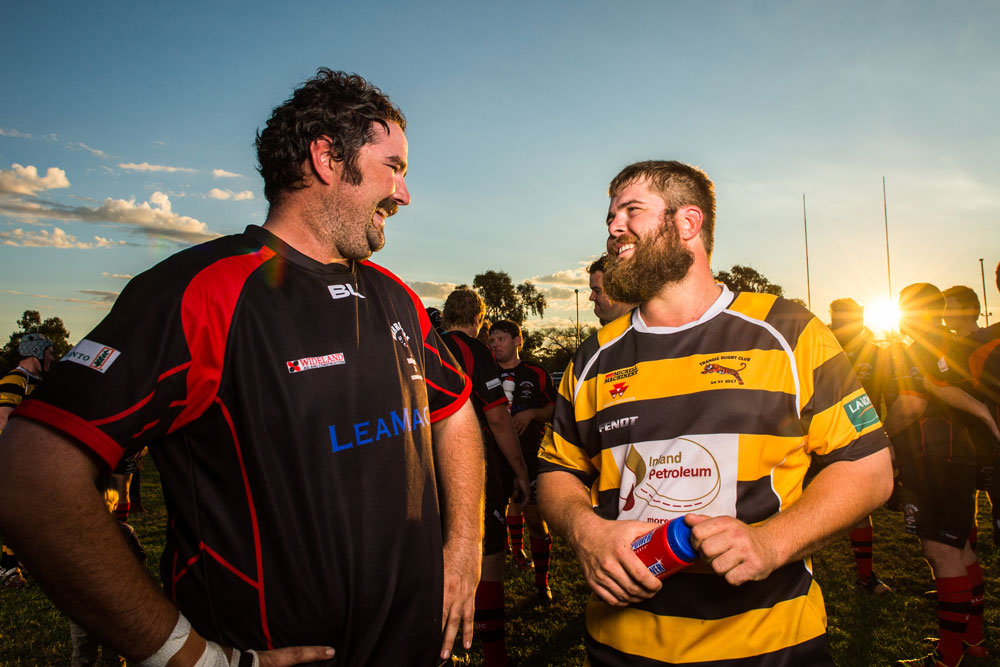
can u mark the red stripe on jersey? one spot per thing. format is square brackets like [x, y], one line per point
[977, 361]
[495, 404]
[94, 438]
[425, 322]
[128, 411]
[443, 362]
[207, 313]
[226, 564]
[451, 409]
[468, 386]
[253, 523]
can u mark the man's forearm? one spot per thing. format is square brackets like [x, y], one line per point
[565, 504]
[835, 500]
[458, 453]
[72, 545]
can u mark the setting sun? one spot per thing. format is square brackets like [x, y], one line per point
[882, 317]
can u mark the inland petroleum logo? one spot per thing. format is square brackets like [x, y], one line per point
[684, 480]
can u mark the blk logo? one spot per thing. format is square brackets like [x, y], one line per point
[344, 291]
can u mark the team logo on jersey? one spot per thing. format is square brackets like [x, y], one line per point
[861, 412]
[92, 355]
[726, 366]
[621, 374]
[344, 291]
[618, 390]
[723, 370]
[399, 334]
[309, 363]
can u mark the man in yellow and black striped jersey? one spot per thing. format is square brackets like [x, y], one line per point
[709, 406]
[36, 358]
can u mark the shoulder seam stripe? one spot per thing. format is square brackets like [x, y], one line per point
[784, 345]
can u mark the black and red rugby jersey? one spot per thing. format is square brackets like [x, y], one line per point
[288, 406]
[940, 432]
[478, 363]
[530, 386]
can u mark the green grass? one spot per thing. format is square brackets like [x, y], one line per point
[865, 631]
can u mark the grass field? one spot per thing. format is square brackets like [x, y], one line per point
[864, 631]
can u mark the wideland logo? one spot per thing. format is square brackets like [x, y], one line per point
[309, 363]
[93, 355]
[861, 412]
[664, 479]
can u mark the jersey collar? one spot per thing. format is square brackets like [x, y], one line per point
[719, 305]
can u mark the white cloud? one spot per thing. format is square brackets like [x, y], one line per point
[573, 277]
[550, 323]
[100, 300]
[431, 290]
[101, 295]
[6, 132]
[145, 166]
[216, 193]
[119, 276]
[222, 173]
[26, 181]
[154, 218]
[93, 151]
[57, 238]
[558, 292]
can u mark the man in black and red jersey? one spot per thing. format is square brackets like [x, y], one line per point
[937, 472]
[463, 316]
[872, 366]
[320, 460]
[531, 397]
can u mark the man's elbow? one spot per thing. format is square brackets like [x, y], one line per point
[882, 480]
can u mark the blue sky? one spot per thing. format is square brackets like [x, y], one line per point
[126, 133]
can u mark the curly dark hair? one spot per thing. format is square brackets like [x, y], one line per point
[341, 106]
[598, 265]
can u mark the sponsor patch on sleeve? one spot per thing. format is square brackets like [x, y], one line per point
[861, 412]
[92, 355]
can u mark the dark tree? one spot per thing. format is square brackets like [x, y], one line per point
[556, 346]
[504, 300]
[748, 279]
[31, 322]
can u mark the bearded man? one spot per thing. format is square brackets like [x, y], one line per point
[321, 463]
[708, 407]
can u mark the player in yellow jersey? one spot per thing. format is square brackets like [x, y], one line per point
[711, 406]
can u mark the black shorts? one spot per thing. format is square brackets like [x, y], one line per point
[495, 517]
[128, 465]
[939, 499]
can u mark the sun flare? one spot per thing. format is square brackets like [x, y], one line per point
[882, 317]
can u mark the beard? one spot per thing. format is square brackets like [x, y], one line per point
[351, 229]
[655, 263]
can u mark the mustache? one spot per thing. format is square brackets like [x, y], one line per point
[388, 205]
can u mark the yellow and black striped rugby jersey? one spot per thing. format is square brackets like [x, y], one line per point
[15, 386]
[721, 416]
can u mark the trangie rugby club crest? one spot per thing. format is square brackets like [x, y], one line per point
[729, 367]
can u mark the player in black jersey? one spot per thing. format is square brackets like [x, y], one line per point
[531, 397]
[463, 315]
[320, 460]
[937, 470]
[872, 366]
